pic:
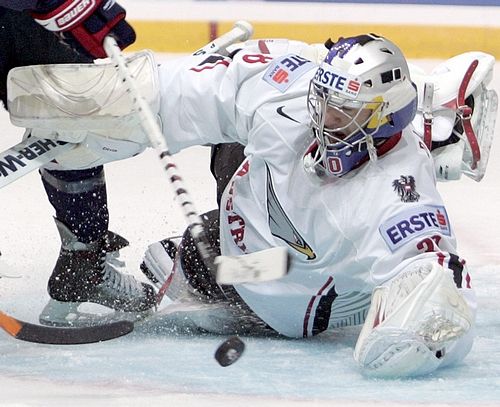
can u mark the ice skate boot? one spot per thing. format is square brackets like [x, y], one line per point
[418, 322]
[86, 273]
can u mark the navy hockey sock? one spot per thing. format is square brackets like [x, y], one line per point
[80, 201]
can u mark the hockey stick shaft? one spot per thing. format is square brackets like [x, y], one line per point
[240, 32]
[157, 140]
[26, 331]
[27, 156]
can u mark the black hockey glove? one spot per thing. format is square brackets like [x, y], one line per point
[85, 23]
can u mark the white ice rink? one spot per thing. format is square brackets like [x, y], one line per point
[154, 366]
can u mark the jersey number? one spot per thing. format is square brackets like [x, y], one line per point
[256, 58]
[429, 244]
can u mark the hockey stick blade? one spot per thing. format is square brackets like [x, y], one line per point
[264, 265]
[28, 332]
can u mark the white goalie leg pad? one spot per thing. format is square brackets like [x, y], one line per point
[167, 272]
[80, 96]
[416, 323]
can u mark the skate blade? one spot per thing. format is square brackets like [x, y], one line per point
[70, 314]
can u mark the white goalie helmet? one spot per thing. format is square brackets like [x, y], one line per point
[364, 79]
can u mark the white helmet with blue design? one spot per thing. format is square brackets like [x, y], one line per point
[366, 80]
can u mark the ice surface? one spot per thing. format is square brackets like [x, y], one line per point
[154, 366]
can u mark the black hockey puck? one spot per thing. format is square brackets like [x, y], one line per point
[229, 351]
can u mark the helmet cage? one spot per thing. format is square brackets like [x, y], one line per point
[319, 101]
[358, 73]
[338, 152]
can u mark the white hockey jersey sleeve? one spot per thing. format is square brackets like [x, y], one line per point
[198, 99]
[213, 99]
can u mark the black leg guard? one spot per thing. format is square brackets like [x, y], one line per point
[224, 161]
[197, 274]
[244, 320]
[80, 200]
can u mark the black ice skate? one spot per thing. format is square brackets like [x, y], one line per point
[84, 273]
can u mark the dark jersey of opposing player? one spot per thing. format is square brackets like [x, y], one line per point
[19, 4]
[24, 42]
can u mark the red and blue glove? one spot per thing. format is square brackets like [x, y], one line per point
[85, 23]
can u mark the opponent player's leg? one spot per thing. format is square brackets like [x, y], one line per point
[23, 42]
[85, 270]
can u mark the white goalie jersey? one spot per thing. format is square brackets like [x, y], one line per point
[346, 236]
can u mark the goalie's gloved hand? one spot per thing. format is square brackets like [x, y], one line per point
[85, 23]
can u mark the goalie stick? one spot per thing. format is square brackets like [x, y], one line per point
[26, 331]
[240, 32]
[27, 156]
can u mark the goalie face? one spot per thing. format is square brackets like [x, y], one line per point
[361, 95]
[343, 123]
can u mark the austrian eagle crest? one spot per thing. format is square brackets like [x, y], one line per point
[404, 186]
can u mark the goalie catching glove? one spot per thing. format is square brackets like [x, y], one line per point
[84, 24]
[456, 115]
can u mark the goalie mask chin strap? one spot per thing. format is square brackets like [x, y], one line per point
[464, 112]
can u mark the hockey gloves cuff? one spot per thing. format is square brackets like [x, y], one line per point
[85, 23]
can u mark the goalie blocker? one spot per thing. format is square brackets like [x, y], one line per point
[48, 98]
[174, 266]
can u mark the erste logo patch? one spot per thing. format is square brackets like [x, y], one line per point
[414, 222]
[285, 70]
